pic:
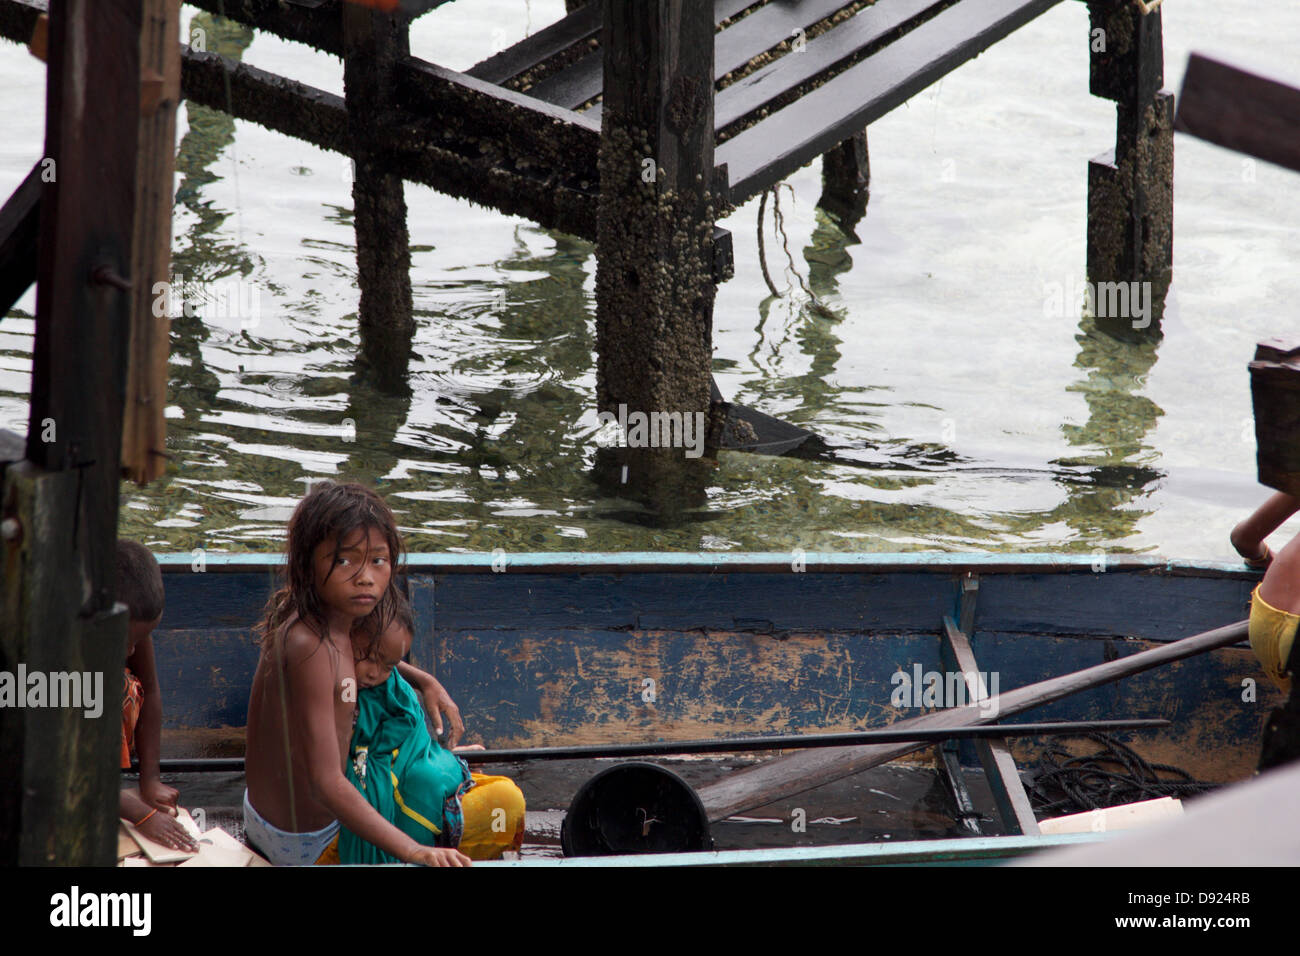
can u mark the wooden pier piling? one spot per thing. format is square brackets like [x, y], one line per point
[58, 794]
[1131, 188]
[375, 45]
[655, 220]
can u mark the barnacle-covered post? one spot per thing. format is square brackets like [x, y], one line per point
[375, 44]
[1131, 188]
[654, 281]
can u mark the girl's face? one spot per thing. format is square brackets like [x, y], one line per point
[353, 582]
[393, 646]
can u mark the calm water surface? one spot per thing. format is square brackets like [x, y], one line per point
[970, 413]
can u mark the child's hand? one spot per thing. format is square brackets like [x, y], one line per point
[166, 830]
[157, 794]
[464, 747]
[439, 856]
[436, 702]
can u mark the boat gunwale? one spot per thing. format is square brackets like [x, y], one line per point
[934, 562]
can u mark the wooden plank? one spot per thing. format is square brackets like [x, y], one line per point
[576, 84]
[1237, 109]
[821, 54]
[144, 423]
[999, 766]
[786, 776]
[528, 53]
[20, 220]
[865, 92]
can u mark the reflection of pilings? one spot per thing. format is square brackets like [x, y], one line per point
[1118, 360]
[846, 182]
[1131, 189]
[654, 287]
[375, 45]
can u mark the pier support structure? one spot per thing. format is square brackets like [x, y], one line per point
[655, 220]
[846, 181]
[1131, 188]
[375, 46]
[59, 623]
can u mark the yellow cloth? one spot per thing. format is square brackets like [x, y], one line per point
[494, 821]
[1272, 633]
[494, 818]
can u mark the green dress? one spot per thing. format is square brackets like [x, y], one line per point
[404, 773]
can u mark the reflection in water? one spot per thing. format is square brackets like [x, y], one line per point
[495, 446]
[1102, 505]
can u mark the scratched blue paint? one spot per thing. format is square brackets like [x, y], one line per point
[725, 618]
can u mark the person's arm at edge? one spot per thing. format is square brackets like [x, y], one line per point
[1249, 534]
[436, 701]
[311, 688]
[148, 729]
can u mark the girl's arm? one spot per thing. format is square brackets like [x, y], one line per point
[148, 729]
[314, 720]
[436, 701]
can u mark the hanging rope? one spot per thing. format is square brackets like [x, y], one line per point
[778, 224]
[1113, 775]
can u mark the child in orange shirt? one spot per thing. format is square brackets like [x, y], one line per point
[140, 588]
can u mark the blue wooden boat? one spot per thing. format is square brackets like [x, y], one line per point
[572, 648]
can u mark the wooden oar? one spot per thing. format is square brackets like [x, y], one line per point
[807, 770]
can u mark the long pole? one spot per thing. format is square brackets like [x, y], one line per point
[736, 745]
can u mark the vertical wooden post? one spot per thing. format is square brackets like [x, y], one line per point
[654, 246]
[374, 44]
[144, 425]
[1131, 188]
[58, 794]
[846, 181]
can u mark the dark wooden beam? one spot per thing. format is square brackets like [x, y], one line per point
[771, 149]
[58, 797]
[1275, 395]
[1240, 110]
[786, 776]
[450, 165]
[20, 219]
[318, 26]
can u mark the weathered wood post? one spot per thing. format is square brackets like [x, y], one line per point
[846, 181]
[654, 247]
[375, 43]
[58, 515]
[1131, 188]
